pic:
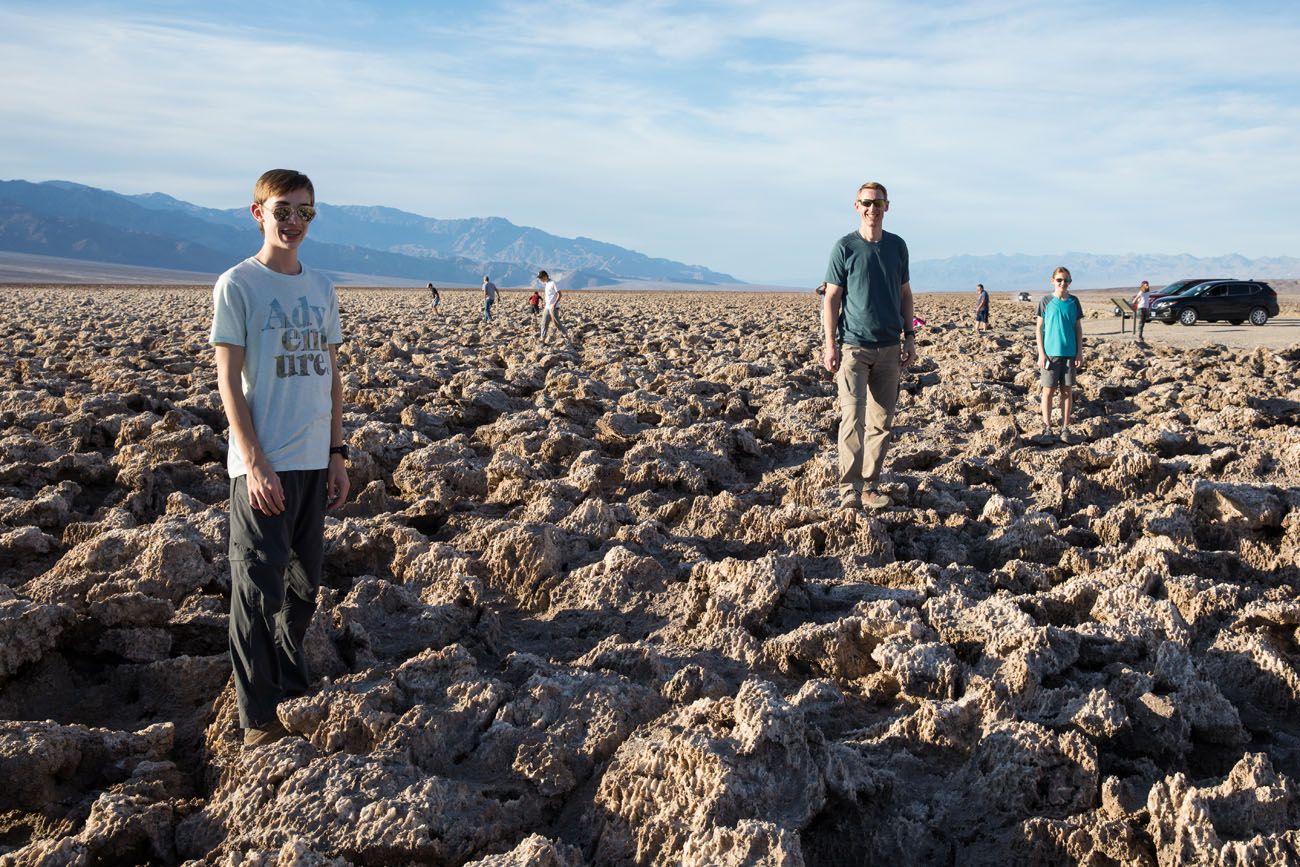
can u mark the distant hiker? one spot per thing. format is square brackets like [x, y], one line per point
[276, 331]
[535, 302]
[1059, 333]
[1142, 308]
[551, 313]
[821, 308]
[437, 299]
[867, 314]
[981, 308]
[489, 298]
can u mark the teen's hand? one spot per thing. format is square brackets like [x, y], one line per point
[908, 353]
[1042, 360]
[265, 493]
[831, 358]
[336, 483]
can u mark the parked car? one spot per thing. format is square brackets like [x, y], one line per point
[1022, 296]
[1178, 287]
[1235, 301]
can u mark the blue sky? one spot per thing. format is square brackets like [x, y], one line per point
[727, 134]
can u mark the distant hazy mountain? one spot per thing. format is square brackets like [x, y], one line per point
[59, 218]
[1010, 273]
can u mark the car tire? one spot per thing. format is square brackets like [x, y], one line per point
[1258, 316]
[1187, 316]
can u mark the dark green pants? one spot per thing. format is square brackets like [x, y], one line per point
[275, 569]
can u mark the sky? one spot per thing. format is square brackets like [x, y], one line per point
[731, 134]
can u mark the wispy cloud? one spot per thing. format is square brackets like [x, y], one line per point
[726, 133]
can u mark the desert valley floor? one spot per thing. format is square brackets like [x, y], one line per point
[595, 604]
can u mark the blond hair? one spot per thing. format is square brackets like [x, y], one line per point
[279, 182]
[875, 185]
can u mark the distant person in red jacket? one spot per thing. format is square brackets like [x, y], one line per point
[535, 302]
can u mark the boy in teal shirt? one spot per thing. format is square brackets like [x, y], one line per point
[1060, 348]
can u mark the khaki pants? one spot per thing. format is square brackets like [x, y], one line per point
[549, 315]
[868, 387]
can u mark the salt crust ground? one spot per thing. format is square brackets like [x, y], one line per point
[595, 605]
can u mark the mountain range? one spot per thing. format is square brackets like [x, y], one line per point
[74, 221]
[386, 246]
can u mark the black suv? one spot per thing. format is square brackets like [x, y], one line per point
[1178, 287]
[1233, 300]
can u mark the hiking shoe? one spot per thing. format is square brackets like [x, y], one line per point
[850, 500]
[1067, 436]
[263, 736]
[874, 500]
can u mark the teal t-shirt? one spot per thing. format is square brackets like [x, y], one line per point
[872, 275]
[1059, 317]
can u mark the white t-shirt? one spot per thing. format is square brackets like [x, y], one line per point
[286, 324]
[490, 291]
[552, 293]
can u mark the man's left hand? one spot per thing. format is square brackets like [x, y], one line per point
[908, 353]
[336, 482]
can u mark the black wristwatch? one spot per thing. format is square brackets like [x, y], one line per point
[340, 450]
[909, 332]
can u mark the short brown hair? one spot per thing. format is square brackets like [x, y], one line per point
[279, 182]
[875, 185]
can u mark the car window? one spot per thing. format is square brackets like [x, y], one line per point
[1240, 289]
[1217, 291]
[1201, 286]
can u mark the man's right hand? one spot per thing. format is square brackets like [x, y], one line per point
[265, 493]
[831, 358]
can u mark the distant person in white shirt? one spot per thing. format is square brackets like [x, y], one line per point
[1142, 307]
[489, 298]
[551, 307]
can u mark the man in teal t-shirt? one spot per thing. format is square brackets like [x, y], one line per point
[1060, 348]
[867, 313]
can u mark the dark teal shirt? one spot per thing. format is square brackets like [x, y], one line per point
[1060, 317]
[872, 276]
